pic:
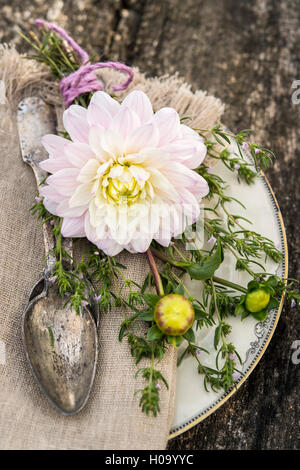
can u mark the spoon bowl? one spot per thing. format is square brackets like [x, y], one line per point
[61, 348]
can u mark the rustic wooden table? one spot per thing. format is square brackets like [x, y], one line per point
[248, 54]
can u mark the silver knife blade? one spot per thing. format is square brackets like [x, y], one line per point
[35, 119]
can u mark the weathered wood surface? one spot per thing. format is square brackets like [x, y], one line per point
[248, 54]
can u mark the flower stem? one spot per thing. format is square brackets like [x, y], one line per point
[226, 283]
[156, 275]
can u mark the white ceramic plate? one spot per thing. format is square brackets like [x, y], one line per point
[251, 338]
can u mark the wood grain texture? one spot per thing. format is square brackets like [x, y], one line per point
[248, 54]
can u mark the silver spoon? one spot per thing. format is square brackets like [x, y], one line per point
[61, 346]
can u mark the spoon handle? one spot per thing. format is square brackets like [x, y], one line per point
[36, 119]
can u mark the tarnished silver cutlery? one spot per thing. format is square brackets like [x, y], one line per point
[61, 346]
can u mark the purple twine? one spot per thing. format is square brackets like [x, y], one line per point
[84, 79]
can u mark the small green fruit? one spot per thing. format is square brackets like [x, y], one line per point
[174, 314]
[257, 300]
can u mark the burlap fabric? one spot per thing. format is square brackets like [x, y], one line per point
[112, 418]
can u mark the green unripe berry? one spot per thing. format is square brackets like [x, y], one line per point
[174, 314]
[257, 300]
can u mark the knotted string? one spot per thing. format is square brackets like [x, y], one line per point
[84, 79]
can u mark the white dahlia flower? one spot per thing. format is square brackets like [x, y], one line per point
[126, 177]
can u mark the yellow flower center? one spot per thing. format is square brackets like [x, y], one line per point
[124, 184]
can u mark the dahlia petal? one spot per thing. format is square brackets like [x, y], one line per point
[54, 145]
[190, 152]
[125, 227]
[89, 171]
[164, 232]
[75, 123]
[134, 158]
[96, 216]
[139, 102]
[202, 187]
[98, 116]
[73, 227]
[162, 186]
[82, 196]
[50, 193]
[189, 133]
[101, 231]
[177, 223]
[141, 244]
[195, 159]
[111, 217]
[64, 209]
[121, 235]
[187, 197]
[115, 171]
[52, 165]
[89, 229]
[181, 147]
[189, 180]
[102, 104]
[50, 205]
[144, 136]
[64, 181]
[153, 157]
[163, 239]
[168, 123]
[178, 174]
[95, 141]
[78, 154]
[109, 247]
[139, 173]
[130, 249]
[102, 168]
[125, 122]
[154, 218]
[112, 143]
[190, 206]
